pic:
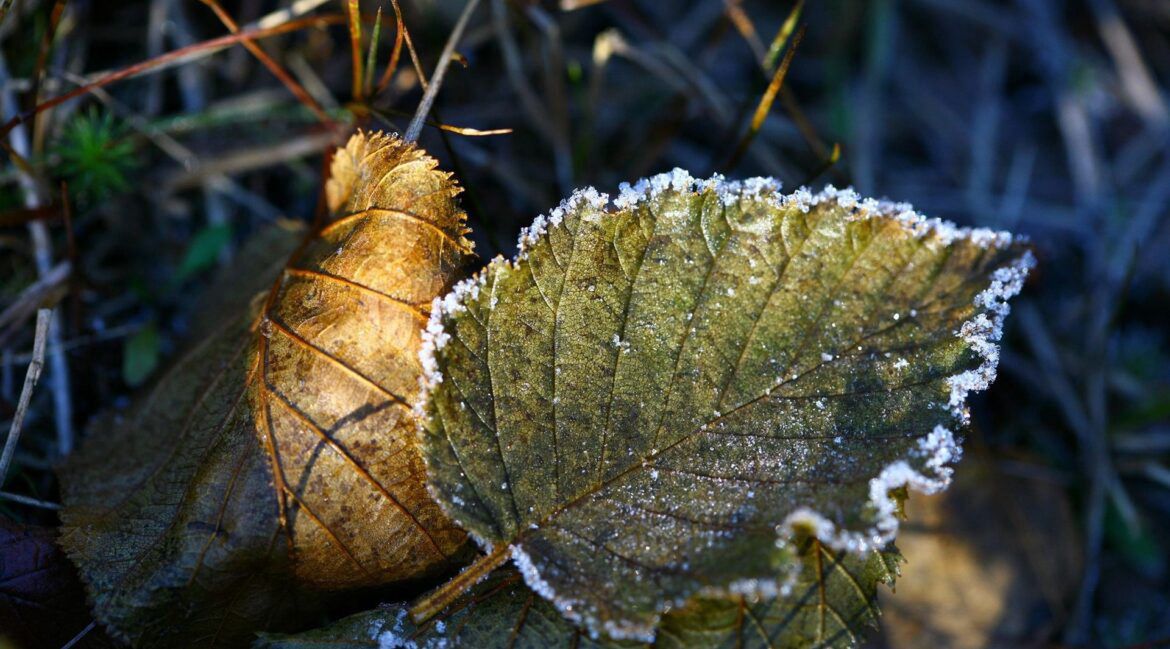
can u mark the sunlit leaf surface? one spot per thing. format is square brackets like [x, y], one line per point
[644, 404]
[279, 455]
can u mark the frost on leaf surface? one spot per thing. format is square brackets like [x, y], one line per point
[830, 602]
[281, 452]
[657, 392]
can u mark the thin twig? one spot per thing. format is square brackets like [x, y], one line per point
[280, 73]
[30, 383]
[181, 55]
[35, 196]
[77, 638]
[424, 106]
[27, 500]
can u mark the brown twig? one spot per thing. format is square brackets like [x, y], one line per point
[399, 34]
[172, 57]
[279, 72]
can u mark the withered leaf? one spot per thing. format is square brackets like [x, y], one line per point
[652, 397]
[42, 603]
[830, 602]
[279, 455]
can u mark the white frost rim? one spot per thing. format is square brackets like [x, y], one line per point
[937, 451]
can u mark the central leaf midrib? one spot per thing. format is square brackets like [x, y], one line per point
[648, 458]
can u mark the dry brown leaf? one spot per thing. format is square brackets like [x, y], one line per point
[991, 562]
[281, 452]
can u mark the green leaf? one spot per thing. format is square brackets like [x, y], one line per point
[648, 401]
[140, 354]
[204, 250]
[828, 603]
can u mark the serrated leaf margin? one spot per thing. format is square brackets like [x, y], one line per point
[939, 450]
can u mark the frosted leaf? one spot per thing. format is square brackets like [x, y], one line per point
[634, 461]
[827, 601]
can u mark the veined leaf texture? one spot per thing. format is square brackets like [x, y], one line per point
[828, 603]
[279, 457]
[656, 395]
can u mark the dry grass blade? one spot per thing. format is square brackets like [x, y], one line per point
[80, 636]
[396, 52]
[30, 383]
[743, 24]
[782, 36]
[355, 42]
[570, 5]
[250, 158]
[428, 99]
[20, 161]
[385, 114]
[171, 58]
[29, 501]
[371, 55]
[766, 101]
[280, 73]
[39, 294]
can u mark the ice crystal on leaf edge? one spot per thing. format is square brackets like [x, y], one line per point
[938, 450]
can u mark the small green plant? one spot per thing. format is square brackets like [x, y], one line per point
[95, 156]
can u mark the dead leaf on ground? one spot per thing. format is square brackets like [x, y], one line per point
[279, 454]
[42, 603]
[991, 562]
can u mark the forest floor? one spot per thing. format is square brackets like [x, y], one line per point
[1045, 117]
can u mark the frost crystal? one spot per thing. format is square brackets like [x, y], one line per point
[542, 224]
[571, 608]
[926, 467]
[984, 330]
[435, 337]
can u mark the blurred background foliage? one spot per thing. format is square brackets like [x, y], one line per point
[1048, 117]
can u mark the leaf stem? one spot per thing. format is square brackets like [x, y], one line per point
[435, 601]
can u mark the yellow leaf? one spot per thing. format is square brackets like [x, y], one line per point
[279, 456]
